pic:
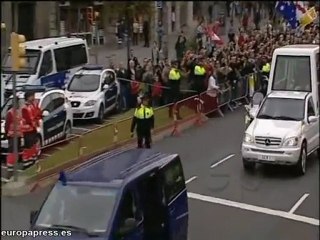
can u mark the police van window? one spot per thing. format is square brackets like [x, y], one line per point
[58, 100]
[311, 111]
[46, 66]
[174, 180]
[70, 57]
[47, 104]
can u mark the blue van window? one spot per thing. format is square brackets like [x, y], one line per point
[46, 66]
[174, 180]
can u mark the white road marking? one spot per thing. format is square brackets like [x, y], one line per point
[81, 129]
[252, 208]
[300, 201]
[221, 161]
[191, 179]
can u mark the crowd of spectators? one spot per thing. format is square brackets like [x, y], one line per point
[245, 51]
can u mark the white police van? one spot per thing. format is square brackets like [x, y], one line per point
[93, 92]
[50, 62]
[57, 119]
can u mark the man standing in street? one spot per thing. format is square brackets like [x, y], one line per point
[29, 115]
[13, 115]
[143, 121]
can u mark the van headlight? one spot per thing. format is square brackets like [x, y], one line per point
[291, 142]
[90, 103]
[248, 138]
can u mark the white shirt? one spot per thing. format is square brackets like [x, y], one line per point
[212, 87]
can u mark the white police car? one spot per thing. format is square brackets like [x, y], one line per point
[57, 119]
[93, 92]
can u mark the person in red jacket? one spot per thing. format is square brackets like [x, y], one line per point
[37, 116]
[14, 114]
[157, 91]
[29, 114]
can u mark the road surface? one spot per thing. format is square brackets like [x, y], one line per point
[225, 202]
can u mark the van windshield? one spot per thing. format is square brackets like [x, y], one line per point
[84, 83]
[82, 207]
[292, 73]
[282, 109]
[32, 60]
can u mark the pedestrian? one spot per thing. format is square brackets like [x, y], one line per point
[30, 130]
[146, 32]
[143, 122]
[160, 33]
[157, 91]
[13, 115]
[180, 48]
[199, 77]
[122, 75]
[135, 40]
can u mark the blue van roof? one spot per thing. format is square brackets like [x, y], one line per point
[120, 166]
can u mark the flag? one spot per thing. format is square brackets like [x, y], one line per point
[300, 9]
[308, 17]
[288, 10]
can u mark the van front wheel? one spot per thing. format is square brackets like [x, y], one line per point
[301, 164]
[248, 166]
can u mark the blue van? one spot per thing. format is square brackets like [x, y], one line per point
[135, 194]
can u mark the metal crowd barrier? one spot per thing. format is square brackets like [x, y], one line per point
[78, 149]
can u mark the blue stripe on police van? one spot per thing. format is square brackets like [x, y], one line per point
[54, 80]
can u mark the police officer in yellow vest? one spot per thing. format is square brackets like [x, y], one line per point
[174, 82]
[143, 121]
[266, 69]
[200, 76]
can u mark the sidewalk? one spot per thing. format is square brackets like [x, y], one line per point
[110, 50]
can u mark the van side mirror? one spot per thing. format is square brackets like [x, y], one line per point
[129, 225]
[33, 214]
[45, 113]
[312, 119]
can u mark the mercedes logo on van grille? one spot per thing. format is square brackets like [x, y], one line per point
[267, 142]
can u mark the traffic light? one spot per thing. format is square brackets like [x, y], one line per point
[18, 51]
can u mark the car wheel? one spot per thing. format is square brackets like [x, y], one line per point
[301, 164]
[249, 166]
[39, 144]
[67, 130]
[100, 118]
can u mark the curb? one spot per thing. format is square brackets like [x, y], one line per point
[26, 186]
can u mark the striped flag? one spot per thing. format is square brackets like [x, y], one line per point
[301, 9]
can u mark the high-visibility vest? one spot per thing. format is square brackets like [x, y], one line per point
[174, 74]
[266, 68]
[143, 112]
[20, 123]
[199, 70]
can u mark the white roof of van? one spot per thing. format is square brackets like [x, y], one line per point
[48, 42]
[288, 94]
[298, 49]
